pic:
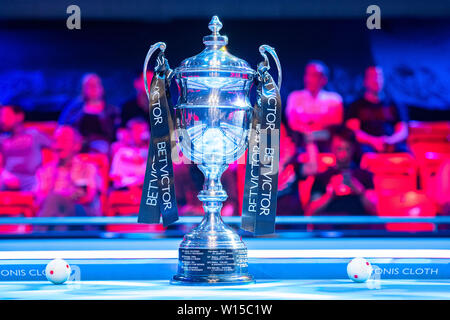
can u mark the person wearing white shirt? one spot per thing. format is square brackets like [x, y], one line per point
[312, 110]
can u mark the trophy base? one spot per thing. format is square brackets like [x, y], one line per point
[216, 257]
[212, 281]
[212, 266]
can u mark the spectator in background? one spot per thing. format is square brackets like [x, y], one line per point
[312, 110]
[138, 106]
[21, 149]
[344, 189]
[7, 180]
[379, 124]
[68, 186]
[123, 139]
[291, 172]
[189, 182]
[96, 120]
[443, 188]
[129, 160]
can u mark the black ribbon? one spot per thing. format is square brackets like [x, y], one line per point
[261, 176]
[158, 193]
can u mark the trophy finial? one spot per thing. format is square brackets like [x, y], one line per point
[215, 25]
[215, 39]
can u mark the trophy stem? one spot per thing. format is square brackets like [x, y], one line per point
[212, 253]
[212, 194]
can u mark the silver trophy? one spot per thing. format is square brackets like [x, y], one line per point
[213, 118]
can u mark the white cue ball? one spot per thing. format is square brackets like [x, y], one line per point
[57, 271]
[359, 269]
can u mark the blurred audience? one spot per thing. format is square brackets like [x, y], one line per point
[312, 110]
[20, 148]
[379, 124]
[344, 189]
[137, 107]
[67, 186]
[96, 120]
[130, 157]
[291, 172]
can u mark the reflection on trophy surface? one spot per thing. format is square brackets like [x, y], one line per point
[213, 118]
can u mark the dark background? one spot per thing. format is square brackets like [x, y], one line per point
[41, 61]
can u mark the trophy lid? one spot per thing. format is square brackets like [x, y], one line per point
[215, 56]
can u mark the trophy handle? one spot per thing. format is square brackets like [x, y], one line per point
[153, 48]
[265, 48]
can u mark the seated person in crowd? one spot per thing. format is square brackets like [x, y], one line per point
[189, 182]
[96, 120]
[291, 172]
[21, 149]
[137, 107]
[313, 109]
[379, 124]
[7, 180]
[443, 188]
[130, 158]
[68, 186]
[344, 189]
[123, 139]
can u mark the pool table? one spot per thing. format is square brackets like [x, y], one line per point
[298, 268]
